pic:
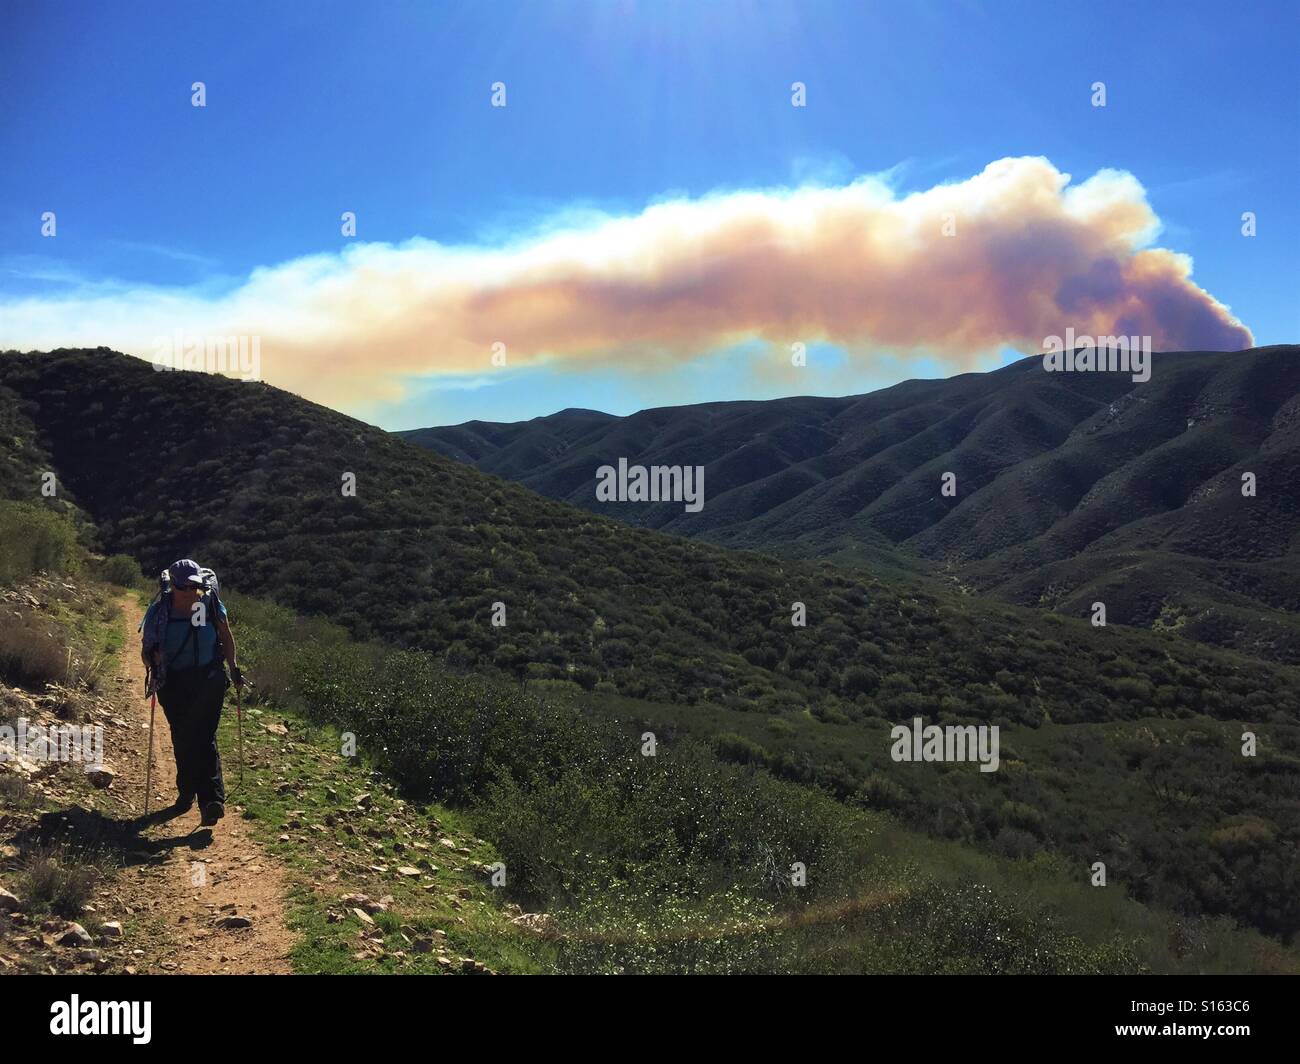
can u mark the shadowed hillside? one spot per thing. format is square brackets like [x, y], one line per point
[683, 635]
[1071, 487]
[251, 478]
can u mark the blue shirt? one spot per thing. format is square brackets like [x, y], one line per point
[188, 646]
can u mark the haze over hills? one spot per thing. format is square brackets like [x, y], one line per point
[1071, 488]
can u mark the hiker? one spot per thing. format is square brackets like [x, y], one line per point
[185, 660]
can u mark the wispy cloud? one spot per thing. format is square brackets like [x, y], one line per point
[857, 265]
[41, 269]
[163, 252]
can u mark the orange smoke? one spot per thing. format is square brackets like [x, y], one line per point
[1004, 259]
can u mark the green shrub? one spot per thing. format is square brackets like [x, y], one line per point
[34, 539]
[739, 750]
[969, 929]
[121, 569]
[628, 930]
[879, 792]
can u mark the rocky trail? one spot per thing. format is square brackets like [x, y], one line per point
[215, 889]
[184, 899]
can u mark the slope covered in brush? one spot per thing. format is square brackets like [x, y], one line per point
[250, 479]
[686, 637]
[1070, 487]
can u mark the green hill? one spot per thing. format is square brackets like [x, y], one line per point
[1070, 488]
[652, 627]
[250, 478]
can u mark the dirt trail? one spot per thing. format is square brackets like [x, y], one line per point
[196, 875]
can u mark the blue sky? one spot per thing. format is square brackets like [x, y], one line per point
[383, 109]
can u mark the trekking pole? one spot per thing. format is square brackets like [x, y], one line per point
[148, 764]
[239, 727]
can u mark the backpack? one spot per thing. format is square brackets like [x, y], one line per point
[212, 597]
[211, 586]
[210, 583]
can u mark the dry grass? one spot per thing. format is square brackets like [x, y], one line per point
[16, 793]
[60, 879]
[33, 652]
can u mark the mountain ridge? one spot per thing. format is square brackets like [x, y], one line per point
[661, 633]
[1054, 472]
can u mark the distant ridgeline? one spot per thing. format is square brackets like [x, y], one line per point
[1167, 489]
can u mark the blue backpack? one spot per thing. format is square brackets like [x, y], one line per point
[211, 599]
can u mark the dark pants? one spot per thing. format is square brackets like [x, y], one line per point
[191, 700]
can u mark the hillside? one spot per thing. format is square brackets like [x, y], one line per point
[1071, 488]
[327, 867]
[687, 636]
[169, 464]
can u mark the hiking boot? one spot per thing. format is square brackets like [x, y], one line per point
[182, 804]
[212, 812]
